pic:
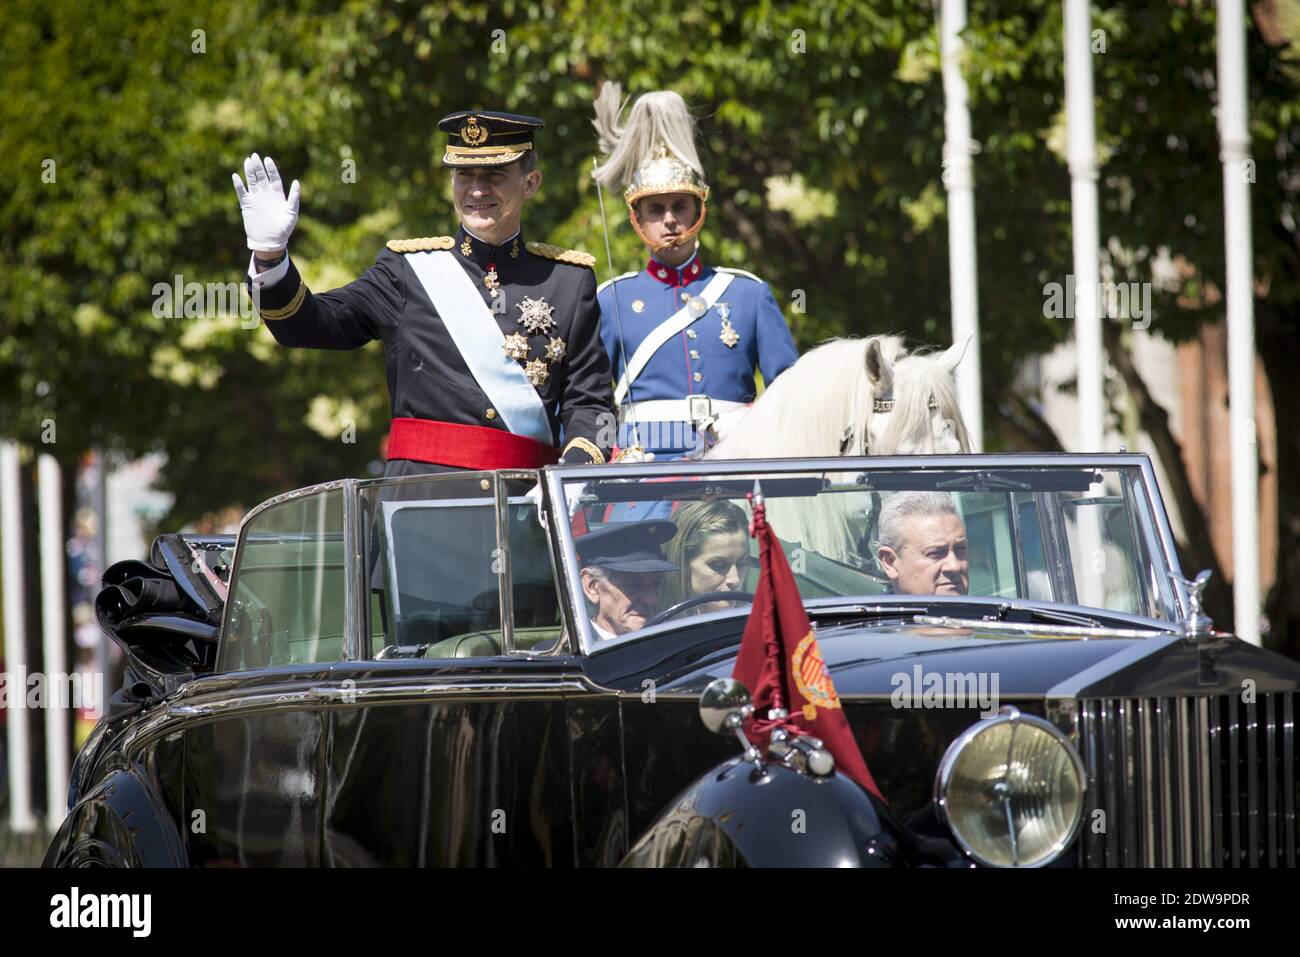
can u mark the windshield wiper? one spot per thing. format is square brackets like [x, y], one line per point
[1009, 611]
[861, 609]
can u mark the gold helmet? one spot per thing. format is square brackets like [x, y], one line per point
[653, 154]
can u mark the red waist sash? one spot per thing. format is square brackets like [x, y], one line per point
[466, 446]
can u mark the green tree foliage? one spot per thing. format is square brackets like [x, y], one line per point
[822, 137]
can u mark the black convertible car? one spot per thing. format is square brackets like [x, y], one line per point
[445, 670]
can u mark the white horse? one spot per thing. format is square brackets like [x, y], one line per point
[849, 397]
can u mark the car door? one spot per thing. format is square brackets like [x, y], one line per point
[447, 741]
[254, 732]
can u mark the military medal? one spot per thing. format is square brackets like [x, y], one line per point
[537, 372]
[491, 279]
[729, 335]
[536, 316]
[516, 346]
[555, 350]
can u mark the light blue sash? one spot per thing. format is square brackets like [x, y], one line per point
[474, 329]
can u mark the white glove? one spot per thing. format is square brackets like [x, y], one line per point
[268, 217]
[634, 454]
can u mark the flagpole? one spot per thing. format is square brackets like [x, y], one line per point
[1238, 174]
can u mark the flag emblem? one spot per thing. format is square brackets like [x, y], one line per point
[812, 678]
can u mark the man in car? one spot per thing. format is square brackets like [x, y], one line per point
[622, 572]
[922, 544]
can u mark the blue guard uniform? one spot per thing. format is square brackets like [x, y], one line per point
[700, 371]
[683, 342]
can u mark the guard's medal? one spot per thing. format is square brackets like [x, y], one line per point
[729, 335]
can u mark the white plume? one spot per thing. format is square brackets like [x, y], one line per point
[660, 118]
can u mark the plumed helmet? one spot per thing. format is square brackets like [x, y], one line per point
[653, 153]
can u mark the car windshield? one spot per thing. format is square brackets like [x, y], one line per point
[648, 553]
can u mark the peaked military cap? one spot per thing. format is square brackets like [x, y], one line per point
[486, 138]
[627, 546]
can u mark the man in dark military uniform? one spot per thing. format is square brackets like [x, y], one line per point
[492, 344]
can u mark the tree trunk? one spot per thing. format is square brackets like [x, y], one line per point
[1197, 552]
[1278, 340]
[1015, 414]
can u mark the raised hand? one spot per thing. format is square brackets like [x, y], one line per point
[269, 217]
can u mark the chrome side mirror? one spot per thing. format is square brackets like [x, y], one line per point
[724, 705]
[1197, 624]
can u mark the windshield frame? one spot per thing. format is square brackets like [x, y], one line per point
[1158, 540]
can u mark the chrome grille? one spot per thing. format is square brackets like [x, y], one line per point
[1189, 782]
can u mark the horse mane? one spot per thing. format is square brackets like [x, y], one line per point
[810, 403]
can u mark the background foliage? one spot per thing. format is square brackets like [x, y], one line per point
[823, 139]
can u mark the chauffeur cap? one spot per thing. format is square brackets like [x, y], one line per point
[627, 546]
[487, 138]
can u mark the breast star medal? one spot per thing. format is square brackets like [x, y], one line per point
[516, 346]
[555, 350]
[536, 316]
[537, 372]
[729, 335]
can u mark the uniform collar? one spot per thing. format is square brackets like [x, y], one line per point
[484, 253]
[687, 272]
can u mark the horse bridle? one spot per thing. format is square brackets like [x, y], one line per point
[879, 406]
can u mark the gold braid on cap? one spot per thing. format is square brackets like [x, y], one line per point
[653, 154]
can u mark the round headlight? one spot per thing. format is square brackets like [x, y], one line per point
[1010, 789]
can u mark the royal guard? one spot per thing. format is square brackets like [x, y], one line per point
[683, 336]
[491, 342]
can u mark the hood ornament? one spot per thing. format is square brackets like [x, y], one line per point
[1197, 624]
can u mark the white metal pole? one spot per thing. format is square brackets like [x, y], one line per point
[54, 637]
[1082, 153]
[17, 742]
[1234, 138]
[959, 179]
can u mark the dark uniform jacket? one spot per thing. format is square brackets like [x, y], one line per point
[427, 378]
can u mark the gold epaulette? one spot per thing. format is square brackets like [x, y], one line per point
[575, 257]
[423, 244]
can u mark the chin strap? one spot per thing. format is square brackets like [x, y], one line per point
[681, 240]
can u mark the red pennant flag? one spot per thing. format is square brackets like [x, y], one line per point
[780, 663]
